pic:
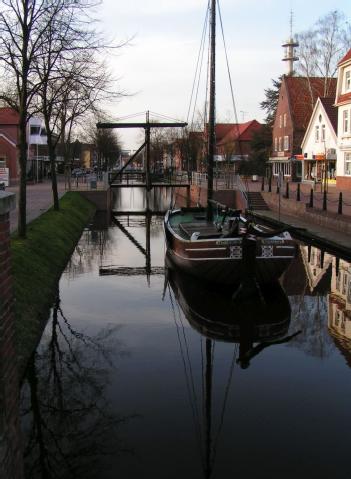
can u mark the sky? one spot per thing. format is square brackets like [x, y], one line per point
[157, 65]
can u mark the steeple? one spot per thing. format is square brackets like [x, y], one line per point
[290, 46]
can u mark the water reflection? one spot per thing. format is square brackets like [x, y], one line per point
[251, 325]
[339, 307]
[242, 421]
[68, 420]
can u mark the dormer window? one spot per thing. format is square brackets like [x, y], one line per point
[284, 119]
[280, 121]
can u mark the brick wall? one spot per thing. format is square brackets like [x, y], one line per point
[11, 463]
[343, 182]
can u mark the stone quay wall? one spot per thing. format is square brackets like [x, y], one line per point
[11, 458]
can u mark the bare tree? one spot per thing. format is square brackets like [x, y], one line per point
[73, 81]
[23, 25]
[106, 143]
[322, 46]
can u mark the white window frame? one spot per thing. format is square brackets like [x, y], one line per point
[316, 134]
[276, 143]
[347, 80]
[280, 144]
[345, 121]
[284, 120]
[347, 163]
[286, 143]
[323, 132]
[280, 121]
[36, 128]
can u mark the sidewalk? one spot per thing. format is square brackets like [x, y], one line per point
[333, 241]
[39, 200]
[305, 191]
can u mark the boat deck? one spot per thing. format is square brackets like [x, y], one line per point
[206, 230]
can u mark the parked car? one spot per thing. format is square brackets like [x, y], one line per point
[77, 172]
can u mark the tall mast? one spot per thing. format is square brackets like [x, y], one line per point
[211, 118]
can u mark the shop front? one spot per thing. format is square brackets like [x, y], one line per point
[320, 168]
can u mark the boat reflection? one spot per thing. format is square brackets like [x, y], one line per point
[251, 324]
[262, 319]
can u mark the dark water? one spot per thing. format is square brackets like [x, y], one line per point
[122, 385]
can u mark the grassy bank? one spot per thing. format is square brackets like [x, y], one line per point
[38, 262]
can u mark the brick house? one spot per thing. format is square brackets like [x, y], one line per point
[233, 139]
[232, 144]
[8, 142]
[343, 103]
[297, 97]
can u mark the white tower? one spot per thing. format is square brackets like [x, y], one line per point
[290, 46]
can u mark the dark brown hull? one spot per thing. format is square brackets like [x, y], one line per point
[219, 259]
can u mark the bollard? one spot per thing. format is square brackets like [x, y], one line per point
[340, 204]
[311, 199]
[324, 200]
[262, 186]
[287, 190]
[298, 192]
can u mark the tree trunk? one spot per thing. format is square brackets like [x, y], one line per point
[22, 200]
[52, 156]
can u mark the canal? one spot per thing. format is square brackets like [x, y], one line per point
[128, 381]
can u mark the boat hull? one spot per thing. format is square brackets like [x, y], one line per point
[220, 260]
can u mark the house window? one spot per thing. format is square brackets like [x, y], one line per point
[347, 163]
[345, 121]
[280, 144]
[280, 121]
[348, 80]
[323, 133]
[284, 119]
[34, 130]
[276, 143]
[316, 133]
[286, 143]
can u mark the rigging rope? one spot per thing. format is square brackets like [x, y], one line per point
[198, 65]
[193, 404]
[233, 100]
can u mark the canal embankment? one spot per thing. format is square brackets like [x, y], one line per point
[326, 229]
[37, 264]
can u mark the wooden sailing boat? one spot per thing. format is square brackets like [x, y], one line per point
[232, 248]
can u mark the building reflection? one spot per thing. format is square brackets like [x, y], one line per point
[339, 307]
[307, 284]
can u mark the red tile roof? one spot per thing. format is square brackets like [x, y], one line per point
[331, 111]
[303, 94]
[8, 116]
[239, 131]
[345, 58]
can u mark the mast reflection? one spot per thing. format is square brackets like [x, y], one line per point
[251, 325]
